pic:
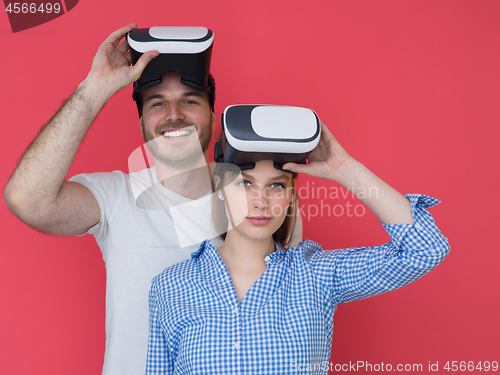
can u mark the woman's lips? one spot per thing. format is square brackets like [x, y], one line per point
[261, 220]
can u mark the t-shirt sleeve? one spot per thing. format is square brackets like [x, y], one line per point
[356, 273]
[104, 187]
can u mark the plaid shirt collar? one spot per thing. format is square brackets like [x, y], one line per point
[213, 270]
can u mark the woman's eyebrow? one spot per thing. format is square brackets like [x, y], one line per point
[279, 178]
[275, 178]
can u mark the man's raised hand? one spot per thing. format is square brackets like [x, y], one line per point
[112, 67]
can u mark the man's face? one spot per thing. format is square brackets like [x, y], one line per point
[175, 121]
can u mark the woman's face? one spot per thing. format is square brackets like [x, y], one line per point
[258, 199]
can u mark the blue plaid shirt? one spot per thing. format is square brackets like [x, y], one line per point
[284, 324]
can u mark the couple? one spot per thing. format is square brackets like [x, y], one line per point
[247, 304]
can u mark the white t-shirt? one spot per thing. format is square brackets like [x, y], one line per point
[144, 228]
[141, 232]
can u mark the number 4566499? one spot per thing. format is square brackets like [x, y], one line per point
[33, 8]
[471, 366]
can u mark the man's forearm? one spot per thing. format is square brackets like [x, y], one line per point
[37, 180]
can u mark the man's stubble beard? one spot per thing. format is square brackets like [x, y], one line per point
[189, 160]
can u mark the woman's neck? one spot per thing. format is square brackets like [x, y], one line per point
[244, 253]
[244, 259]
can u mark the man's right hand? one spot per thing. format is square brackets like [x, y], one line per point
[111, 67]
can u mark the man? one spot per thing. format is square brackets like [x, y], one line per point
[137, 241]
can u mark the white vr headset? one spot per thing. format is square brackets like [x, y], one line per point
[186, 50]
[266, 132]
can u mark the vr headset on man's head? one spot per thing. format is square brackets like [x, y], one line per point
[185, 50]
[266, 132]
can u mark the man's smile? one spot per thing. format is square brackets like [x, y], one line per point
[176, 133]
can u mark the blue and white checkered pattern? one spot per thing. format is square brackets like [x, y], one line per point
[285, 322]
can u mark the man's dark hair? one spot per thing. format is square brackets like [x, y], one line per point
[210, 92]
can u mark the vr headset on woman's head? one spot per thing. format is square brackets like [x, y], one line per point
[266, 132]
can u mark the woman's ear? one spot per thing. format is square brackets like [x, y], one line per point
[217, 181]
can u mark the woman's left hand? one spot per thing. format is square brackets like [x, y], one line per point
[328, 160]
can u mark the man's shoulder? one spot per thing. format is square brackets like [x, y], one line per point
[100, 176]
[142, 179]
[143, 173]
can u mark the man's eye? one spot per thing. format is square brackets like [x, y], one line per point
[191, 102]
[158, 104]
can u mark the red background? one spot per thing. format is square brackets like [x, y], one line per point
[410, 88]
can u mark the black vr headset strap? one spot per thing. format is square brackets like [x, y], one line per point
[137, 93]
[218, 153]
[219, 158]
[279, 166]
[190, 83]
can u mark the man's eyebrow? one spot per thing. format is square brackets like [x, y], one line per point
[192, 93]
[184, 95]
[154, 96]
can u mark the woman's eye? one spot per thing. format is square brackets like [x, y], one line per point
[277, 185]
[244, 183]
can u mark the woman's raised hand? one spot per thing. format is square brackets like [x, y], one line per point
[328, 160]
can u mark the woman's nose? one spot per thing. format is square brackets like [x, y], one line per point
[259, 199]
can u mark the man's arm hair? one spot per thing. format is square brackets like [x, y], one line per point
[37, 192]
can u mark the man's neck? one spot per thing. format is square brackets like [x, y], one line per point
[192, 182]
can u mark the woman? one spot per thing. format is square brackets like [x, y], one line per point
[251, 305]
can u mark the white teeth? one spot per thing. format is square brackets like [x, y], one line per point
[176, 133]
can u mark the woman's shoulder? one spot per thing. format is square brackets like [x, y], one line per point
[306, 245]
[312, 252]
[188, 271]
[305, 249]
[176, 273]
